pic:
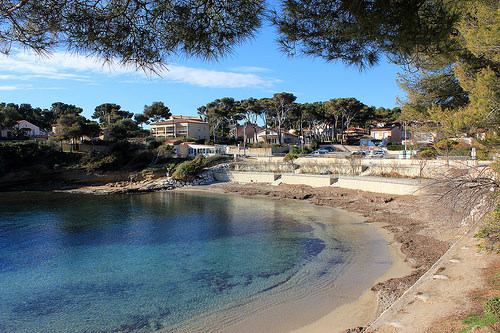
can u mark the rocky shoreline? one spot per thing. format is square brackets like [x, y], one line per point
[151, 185]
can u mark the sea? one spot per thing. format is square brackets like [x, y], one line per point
[177, 261]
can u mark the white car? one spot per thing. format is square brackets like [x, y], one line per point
[318, 152]
[377, 153]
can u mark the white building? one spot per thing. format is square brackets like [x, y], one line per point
[178, 127]
[271, 136]
[29, 129]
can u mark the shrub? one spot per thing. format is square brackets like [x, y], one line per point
[99, 161]
[300, 150]
[153, 144]
[489, 318]
[212, 160]
[15, 156]
[188, 170]
[483, 155]
[394, 146]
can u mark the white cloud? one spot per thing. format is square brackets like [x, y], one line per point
[10, 88]
[62, 66]
[216, 79]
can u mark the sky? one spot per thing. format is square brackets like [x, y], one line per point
[255, 69]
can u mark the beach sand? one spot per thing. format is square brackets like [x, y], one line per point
[419, 230]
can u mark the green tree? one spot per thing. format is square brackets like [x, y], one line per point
[109, 113]
[92, 130]
[360, 32]
[446, 146]
[290, 158]
[219, 113]
[251, 111]
[9, 114]
[282, 104]
[71, 127]
[123, 129]
[59, 109]
[331, 115]
[156, 112]
[141, 118]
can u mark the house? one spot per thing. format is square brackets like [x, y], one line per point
[388, 134]
[29, 129]
[353, 135]
[190, 149]
[271, 136]
[181, 127]
[250, 130]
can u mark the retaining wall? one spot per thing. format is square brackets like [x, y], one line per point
[246, 177]
[311, 180]
[378, 185]
[369, 184]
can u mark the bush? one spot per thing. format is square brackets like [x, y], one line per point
[426, 154]
[16, 156]
[489, 318]
[260, 145]
[102, 162]
[212, 160]
[314, 144]
[153, 144]
[393, 146]
[188, 170]
[300, 150]
[483, 155]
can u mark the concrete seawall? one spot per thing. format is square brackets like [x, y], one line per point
[379, 185]
[369, 184]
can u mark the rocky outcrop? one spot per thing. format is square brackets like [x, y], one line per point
[150, 185]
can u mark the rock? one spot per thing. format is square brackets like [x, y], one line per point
[423, 298]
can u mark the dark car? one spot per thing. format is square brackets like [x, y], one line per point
[359, 153]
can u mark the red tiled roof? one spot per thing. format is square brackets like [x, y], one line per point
[180, 120]
[382, 129]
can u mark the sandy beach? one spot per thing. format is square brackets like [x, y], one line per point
[419, 230]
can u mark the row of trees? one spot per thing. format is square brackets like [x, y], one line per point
[118, 123]
[324, 120]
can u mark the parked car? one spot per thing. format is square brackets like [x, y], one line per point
[361, 153]
[318, 152]
[377, 154]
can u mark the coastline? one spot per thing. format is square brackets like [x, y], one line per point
[364, 309]
[418, 237]
[353, 314]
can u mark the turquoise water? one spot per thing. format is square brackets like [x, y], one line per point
[169, 261]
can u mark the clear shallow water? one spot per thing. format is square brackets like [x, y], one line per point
[168, 261]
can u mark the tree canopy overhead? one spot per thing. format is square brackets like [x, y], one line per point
[148, 32]
[140, 32]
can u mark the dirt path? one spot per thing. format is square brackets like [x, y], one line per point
[438, 304]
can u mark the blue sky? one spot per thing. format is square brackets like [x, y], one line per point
[256, 69]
